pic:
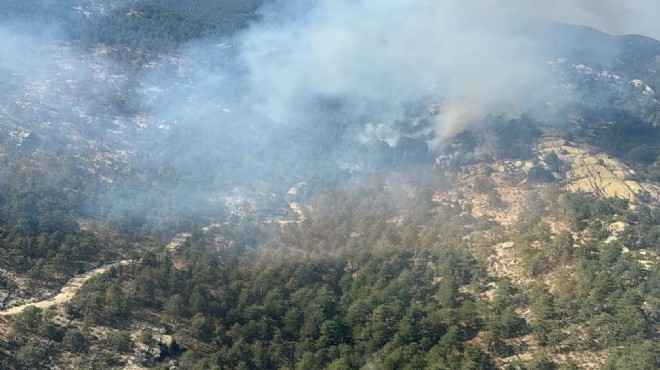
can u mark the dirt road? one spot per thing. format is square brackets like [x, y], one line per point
[73, 286]
[67, 292]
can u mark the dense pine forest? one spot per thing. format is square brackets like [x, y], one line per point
[349, 288]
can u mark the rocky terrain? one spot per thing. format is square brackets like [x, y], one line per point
[595, 172]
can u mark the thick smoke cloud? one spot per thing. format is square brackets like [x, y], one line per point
[308, 80]
[47, 83]
[378, 57]
[367, 66]
[470, 58]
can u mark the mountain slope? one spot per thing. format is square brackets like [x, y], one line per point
[526, 240]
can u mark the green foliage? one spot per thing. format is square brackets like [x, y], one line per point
[643, 356]
[188, 360]
[150, 24]
[146, 336]
[38, 223]
[31, 355]
[580, 208]
[102, 301]
[312, 312]
[200, 328]
[542, 362]
[28, 322]
[119, 341]
[175, 306]
[75, 341]
[350, 287]
[392, 295]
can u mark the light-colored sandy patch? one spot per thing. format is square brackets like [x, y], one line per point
[597, 173]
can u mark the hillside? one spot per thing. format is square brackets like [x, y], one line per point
[449, 253]
[202, 185]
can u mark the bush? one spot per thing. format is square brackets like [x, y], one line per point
[119, 341]
[75, 341]
[31, 354]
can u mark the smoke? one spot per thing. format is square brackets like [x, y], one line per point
[46, 83]
[328, 74]
[368, 70]
[473, 58]
[308, 85]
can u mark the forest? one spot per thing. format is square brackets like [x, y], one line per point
[151, 25]
[305, 245]
[349, 288]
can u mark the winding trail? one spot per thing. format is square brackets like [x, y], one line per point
[67, 292]
[73, 286]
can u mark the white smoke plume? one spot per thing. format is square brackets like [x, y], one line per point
[471, 57]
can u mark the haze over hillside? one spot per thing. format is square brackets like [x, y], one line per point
[333, 81]
[329, 184]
